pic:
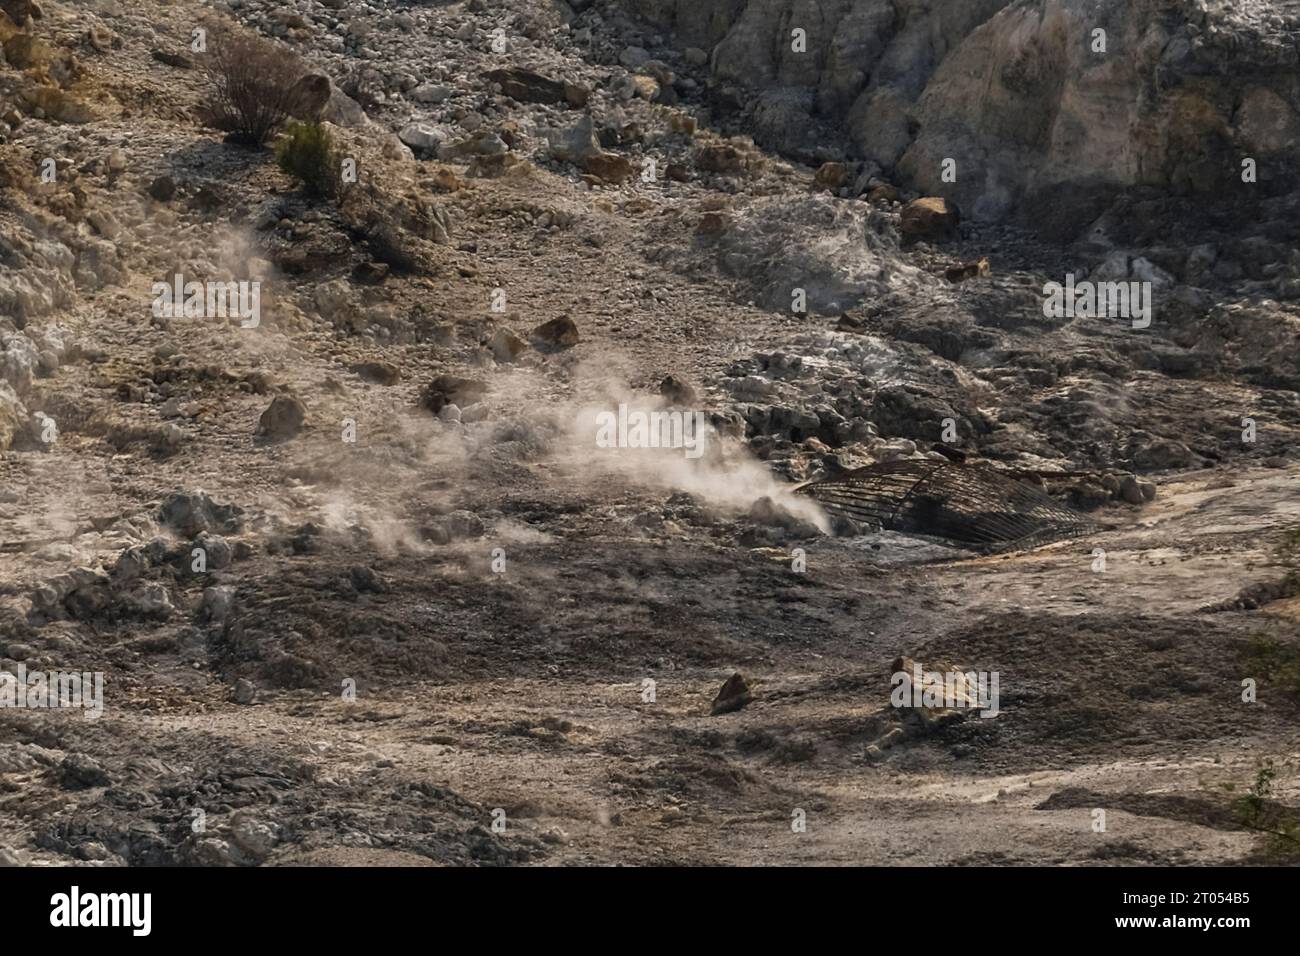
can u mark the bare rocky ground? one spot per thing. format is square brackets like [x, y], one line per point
[496, 588]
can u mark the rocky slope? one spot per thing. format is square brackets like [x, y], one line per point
[428, 594]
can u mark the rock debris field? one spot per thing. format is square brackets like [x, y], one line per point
[681, 432]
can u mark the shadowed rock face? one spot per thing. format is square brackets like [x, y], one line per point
[1020, 94]
[20, 12]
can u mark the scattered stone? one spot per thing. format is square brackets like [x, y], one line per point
[151, 600]
[367, 580]
[245, 692]
[56, 104]
[310, 96]
[558, 333]
[677, 392]
[80, 772]
[506, 346]
[94, 851]
[732, 696]
[484, 143]
[178, 60]
[527, 86]
[645, 87]
[377, 373]
[883, 193]
[931, 219]
[682, 123]
[162, 188]
[370, 272]
[217, 550]
[1131, 492]
[431, 93]
[190, 514]
[456, 526]
[574, 144]
[421, 137]
[255, 839]
[609, 167]
[9, 856]
[967, 270]
[721, 158]
[832, 176]
[1158, 454]
[634, 57]
[283, 418]
[100, 38]
[768, 513]
[445, 180]
[217, 602]
[449, 389]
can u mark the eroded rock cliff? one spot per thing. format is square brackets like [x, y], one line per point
[1025, 97]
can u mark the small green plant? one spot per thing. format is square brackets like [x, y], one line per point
[307, 152]
[1257, 810]
[1289, 547]
[1287, 553]
[1253, 805]
[1276, 662]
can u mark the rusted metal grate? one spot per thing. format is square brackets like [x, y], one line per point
[968, 505]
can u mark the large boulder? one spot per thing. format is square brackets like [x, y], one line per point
[311, 94]
[283, 418]
[558, 333]
[451, 390]
[528, 86]
[931, 219]
[421, 137]
[575, 144]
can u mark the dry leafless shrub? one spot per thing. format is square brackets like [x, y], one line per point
[253, 83]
